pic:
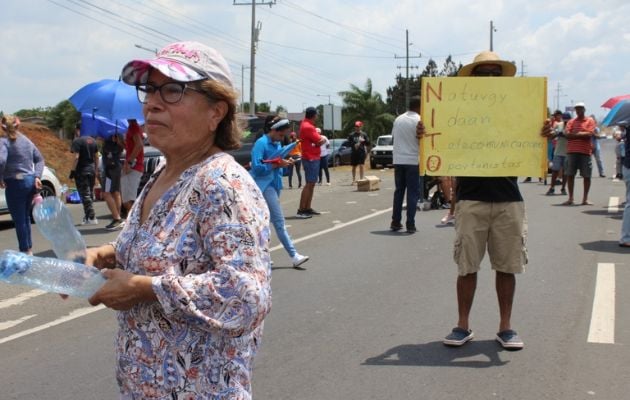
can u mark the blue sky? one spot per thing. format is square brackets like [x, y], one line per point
[53, 47]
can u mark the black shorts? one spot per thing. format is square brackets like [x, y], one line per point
[579, 162]
[112, 179]
[357, 158]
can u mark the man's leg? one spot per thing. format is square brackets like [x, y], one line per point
[399, 193]
[587, 187]
[354, 173]
[307, 196]
[466, 286]
[412, 180]
[570, 184]
[505, 286]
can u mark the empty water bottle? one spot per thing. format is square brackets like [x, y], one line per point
[55, 223]
[50, 274]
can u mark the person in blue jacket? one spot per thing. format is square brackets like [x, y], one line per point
[267, 170]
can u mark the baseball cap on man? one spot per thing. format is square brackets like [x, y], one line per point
[183, 62]
[579, 104]
[358, 123]
[488, 57]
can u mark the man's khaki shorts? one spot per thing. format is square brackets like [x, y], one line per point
[499, 227]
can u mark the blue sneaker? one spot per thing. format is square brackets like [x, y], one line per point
[510, 340]
[458, 337]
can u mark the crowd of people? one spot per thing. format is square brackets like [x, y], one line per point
[189, 274]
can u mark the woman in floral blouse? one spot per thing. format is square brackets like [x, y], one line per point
[190, 272]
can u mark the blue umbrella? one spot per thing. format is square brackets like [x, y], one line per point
[95, 125]
[618, 115]
[109, 98]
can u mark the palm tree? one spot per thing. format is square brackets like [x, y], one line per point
[368, 107]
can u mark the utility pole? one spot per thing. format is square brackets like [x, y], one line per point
[254, 37]
[522, 69]
[407, 94]
[243, 67]
[492, 30]
[558, 95]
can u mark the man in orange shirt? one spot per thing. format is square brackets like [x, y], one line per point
[579, 133]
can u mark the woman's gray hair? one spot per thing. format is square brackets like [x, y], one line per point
[228, 133]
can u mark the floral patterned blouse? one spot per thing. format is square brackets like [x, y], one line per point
[205, 243]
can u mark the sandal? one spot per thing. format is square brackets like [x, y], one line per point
[568, 203]
[587, 203]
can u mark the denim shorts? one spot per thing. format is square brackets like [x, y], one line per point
[311, 170]
[558, 163]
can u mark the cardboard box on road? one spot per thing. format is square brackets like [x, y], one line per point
[368, 184]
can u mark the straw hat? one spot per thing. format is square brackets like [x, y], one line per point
[488, 57]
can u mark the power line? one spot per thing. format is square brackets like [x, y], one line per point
[330, 53]
[375, 36]
[337, 37]
[104, 23]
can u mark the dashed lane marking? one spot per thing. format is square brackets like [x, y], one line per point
[21, 298]
[613, 204]
[74, 314]
[602, 328]
[11, 324]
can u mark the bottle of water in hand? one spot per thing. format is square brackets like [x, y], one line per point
[50, 274]
[55, 223]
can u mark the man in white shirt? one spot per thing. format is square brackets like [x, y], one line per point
[406, 168]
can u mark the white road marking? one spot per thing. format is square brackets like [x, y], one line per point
[613, 204]
[21, 298]
[351, 202]
[89, 310]
[74, 314]
[11, 324]
[602, 329]
[336, 227]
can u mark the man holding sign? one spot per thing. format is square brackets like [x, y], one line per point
[490, 213]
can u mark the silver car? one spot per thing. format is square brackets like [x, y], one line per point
[50, 187]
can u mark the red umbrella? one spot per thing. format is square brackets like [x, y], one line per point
[610, 103]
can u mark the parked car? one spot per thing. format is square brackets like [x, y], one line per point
[339, 152]
[382, 153]
[50, 187]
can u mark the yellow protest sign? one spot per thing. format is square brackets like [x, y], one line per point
[483, 126]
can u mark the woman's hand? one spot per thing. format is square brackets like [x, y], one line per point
[101, 257]
[285, 162]
[123, 290]
[38, 183]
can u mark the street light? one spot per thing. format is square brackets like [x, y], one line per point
[154, 51]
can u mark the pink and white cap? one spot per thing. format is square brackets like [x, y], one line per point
[183, 62]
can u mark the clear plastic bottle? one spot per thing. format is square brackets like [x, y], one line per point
[55, 223]
[50, 274]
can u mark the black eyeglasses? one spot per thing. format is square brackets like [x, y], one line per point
[170, 92]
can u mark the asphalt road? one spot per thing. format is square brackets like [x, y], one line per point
[365, 319]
